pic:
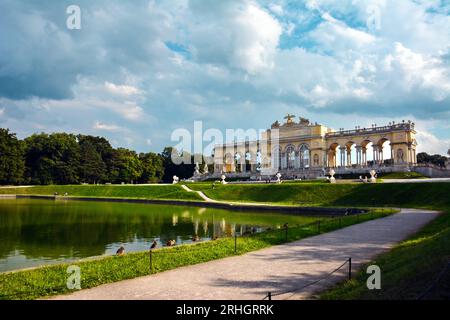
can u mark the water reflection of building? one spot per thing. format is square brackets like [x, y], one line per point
[196, 227]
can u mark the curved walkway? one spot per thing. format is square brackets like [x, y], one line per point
[276, 269]
[201, 194]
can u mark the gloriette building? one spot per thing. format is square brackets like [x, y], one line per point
[301, 149]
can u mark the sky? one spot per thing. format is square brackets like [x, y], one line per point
[138, 70]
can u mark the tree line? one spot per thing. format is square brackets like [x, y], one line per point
[62, 158]
[435, 159]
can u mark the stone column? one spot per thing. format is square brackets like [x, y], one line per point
[409, 155]
[358, 155]
[364, 156]
[392, 154]
[381, 156]
[374, 154]
[335, 158]
[342, 149]
[349, 156]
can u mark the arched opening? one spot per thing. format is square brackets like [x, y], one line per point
[304, 156]
[350, 154]
[332, 155]
[237, 162]
[367, 153]
[385, 156]
[228, 160]
[248, 161]
[290, 156]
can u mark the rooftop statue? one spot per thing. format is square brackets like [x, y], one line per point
[289, 118]
[304, 121]
[276, 124]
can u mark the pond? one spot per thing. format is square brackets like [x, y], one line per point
[38, 232]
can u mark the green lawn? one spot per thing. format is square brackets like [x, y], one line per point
[51, 280]
[402, 175]
[322, 194]
[163, 192]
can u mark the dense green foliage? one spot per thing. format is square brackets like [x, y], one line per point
[435, 159]
[181, 164]
[62, 158]
[168, 192]
[12, 164]
[51, 280]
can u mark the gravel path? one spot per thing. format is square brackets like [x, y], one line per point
[276, 269]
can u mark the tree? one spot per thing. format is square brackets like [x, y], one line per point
[184, 170]
[152, 167]
[92, 167]
[436, 159]
[96, 158]
[12, 164]
[126, 166]
[52, 159]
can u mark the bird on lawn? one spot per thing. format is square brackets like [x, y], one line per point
[154, 244]
[120, 251]
[195, 238]
[170, 243]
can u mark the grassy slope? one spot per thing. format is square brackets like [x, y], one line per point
[402, 175]
[166, 192]
[403, 195]
[51, 280]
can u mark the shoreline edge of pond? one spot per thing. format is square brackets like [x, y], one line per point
[298, 210]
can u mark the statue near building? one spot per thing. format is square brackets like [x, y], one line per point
[275, 125]
[197, 169]
[289, 118]
[304, 121]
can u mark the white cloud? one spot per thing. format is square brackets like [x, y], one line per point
[107, 127]
[276, 8]
[123, 90]
[336, 36]
[421, 71]
[243, 36]
[431, 144]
